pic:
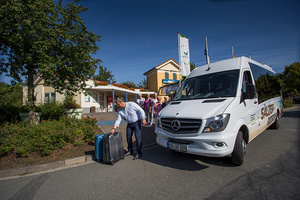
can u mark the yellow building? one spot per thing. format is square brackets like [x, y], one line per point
[164, 73]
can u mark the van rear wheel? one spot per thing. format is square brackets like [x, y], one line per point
[239, 150]
[276, 123]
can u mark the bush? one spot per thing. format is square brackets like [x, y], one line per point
[70, 103]
[287, 104]
[26, 108]
[52, 110]
[9, 113]
[46, 136]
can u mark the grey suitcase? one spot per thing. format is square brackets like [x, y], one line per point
[113, 148]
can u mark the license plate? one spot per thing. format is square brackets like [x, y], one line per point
[177, 147]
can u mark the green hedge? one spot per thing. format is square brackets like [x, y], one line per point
[46, 136]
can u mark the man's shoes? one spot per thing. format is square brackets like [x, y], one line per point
[128, 153]
[137, 156]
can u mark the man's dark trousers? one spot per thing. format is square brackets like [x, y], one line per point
[137, 128]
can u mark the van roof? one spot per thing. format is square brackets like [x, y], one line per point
[226, 65]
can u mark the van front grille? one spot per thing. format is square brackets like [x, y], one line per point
[181, 126]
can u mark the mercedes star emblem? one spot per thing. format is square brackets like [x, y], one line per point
[175, 124]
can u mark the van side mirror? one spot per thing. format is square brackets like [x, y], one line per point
[250, 92]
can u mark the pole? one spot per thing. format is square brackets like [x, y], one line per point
[206, 51]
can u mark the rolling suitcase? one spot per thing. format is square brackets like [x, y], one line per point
[113, 149]
[99, 147]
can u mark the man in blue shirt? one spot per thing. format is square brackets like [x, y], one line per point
[135, 116]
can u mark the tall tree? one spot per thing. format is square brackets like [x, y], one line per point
[42, 37]
[104, 75]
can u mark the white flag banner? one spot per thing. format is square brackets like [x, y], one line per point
[184, 55]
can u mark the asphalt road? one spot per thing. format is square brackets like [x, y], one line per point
[270, 171]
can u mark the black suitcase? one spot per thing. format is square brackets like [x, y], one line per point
[113, 148]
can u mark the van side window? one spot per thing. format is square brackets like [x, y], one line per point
[266, 82]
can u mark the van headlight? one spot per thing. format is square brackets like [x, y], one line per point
[216, 124]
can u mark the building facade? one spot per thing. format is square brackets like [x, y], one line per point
[163, 74]
[101, 97]
[95, 98]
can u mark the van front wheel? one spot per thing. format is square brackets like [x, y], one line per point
[239, 150]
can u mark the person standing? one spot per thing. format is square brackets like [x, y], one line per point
[135, 117]
[140, 101]
[157, 107]
[153, 102]
[164, 104]
[147, 107]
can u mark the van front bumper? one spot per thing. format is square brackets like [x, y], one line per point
[217, 144]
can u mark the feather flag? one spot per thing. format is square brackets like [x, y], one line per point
[184, 55]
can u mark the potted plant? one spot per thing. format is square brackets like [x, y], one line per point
[24, 113]
[72, 109]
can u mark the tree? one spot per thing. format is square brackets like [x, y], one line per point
[104, 75]
[143, 83]
[291, 78]
[10, 94]
[129, 84]
[10, 101]
[192, 66]
[42, 37]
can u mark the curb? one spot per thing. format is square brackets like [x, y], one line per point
[28, 170]
[48, 167]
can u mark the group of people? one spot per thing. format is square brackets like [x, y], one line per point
[151, 106]
[136, 115]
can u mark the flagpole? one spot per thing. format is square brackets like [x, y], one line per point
[206, 53]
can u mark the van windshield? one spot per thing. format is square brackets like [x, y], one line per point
[215, 85]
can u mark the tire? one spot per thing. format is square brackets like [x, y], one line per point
[276, 123]
[239, 150]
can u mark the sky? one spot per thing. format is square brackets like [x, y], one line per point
[137, 35]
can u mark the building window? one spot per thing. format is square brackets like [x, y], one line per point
[174, 76]
[87, 98]
[166, 75]
[49, 97]
[95, 97]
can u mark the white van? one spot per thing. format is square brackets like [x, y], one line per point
[220, 108]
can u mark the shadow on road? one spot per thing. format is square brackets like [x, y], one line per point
[182, 161]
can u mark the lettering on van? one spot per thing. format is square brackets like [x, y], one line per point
[271, 119]
[253, 117]
[267, 110]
